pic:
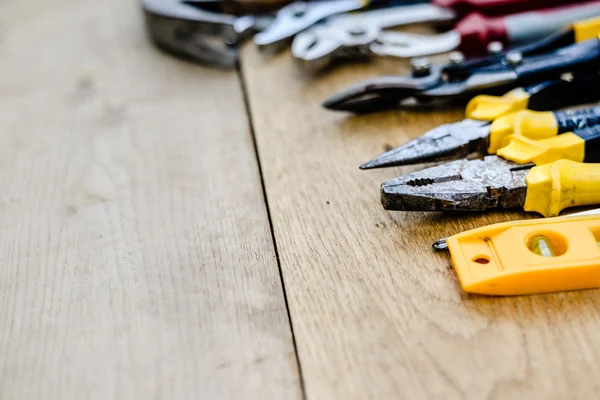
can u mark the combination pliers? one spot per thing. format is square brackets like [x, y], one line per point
[494, 182]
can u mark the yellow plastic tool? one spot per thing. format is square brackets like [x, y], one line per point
[528, 257]
[500, 130]
[524, 150]
[488, 108]
[553, 187]
[586, 29]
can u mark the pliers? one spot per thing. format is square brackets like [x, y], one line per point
[362, 34]
[497, 117]
[298, 16]
[573, 50]
[188, 30]
[479, 185]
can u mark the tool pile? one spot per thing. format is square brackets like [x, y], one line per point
[515, 63]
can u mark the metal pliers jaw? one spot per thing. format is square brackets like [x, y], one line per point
[321, 45]
[382, 93]
[189, 31]
[473, 137]
[492, 75]
[465, 185]
[296, 17]
[363, 34]
[389, 92]
[462, 139]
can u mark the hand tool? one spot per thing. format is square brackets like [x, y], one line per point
[528, 257]
[238, 7]
[300, 15]
[478, 185]
[358, 34]
[573, 50]
[578, 145]
[362, 34]
[195, 33]
[490, 121]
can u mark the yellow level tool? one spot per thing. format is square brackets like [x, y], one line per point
[528, 257]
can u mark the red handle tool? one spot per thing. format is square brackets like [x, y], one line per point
[498, 7]
[477, 31]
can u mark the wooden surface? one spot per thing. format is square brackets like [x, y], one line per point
[376, 313]
[138, 259]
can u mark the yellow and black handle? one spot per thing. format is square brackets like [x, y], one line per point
[542, 125]
[548, 95]
[581, 145]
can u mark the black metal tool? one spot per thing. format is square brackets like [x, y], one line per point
[470, 137]
[188, 30]
[544, 60]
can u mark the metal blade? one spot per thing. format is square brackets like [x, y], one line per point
[381, 93]
[408, 45]
[299, 16]
[446, 142]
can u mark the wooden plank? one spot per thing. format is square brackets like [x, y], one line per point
[376, 313]
[137, 260]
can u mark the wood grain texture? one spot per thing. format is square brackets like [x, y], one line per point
[137, 261]
[376, 313]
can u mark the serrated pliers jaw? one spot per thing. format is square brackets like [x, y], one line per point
[465, 185]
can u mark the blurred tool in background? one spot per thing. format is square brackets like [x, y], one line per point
[362, 34]
[208, 31]
[528, 257]
[572, 50]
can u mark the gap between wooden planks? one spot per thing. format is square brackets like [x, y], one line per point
[137, 260]
[376, 313]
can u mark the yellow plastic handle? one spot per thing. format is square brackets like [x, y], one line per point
[527, 257]
[530, 124]
[562, 184]
[488, 108]
[524, 150]
[586, 29]
[500, 130]
[535, 124]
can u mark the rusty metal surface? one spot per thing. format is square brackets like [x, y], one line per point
[446, 142]
[468, 185]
